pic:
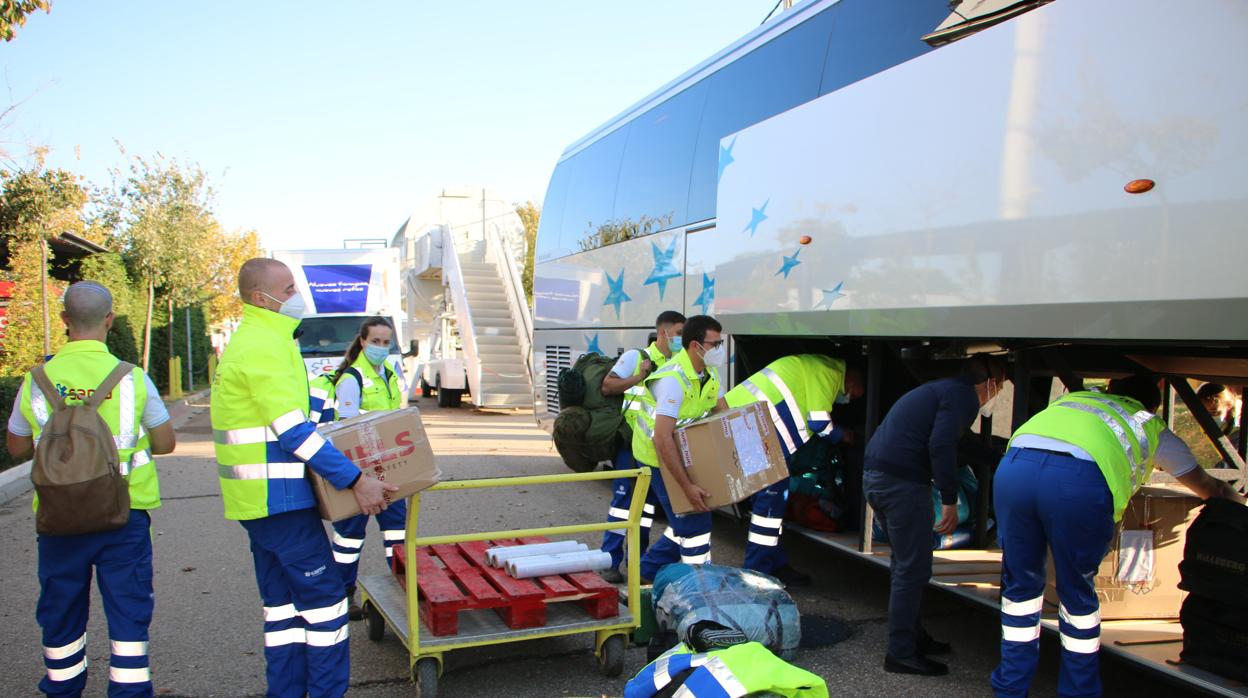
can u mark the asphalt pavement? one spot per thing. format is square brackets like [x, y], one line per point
[206, 635]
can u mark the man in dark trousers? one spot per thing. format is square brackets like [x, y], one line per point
[915, 446]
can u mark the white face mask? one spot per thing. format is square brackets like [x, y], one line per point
[716, 356]
[292, 307]
[986, 409]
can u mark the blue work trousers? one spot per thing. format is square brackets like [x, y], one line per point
[621, 500]
[763, 552]
[348, 539]
[122, 561]
[904, 510]
[1048, 500]
[686, 539]
[306, 647]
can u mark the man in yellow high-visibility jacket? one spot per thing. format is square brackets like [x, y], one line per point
[264, 440]
[121, 559]
[1065, 480]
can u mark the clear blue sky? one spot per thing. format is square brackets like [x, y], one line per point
[318, 121]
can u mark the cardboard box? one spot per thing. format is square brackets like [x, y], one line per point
[732, 455]
[390, 446]
[1131, 582]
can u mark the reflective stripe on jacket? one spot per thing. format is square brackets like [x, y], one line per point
[740, 670]
[76, 370]
[1119, 434]
[800, 392]
[637, 396]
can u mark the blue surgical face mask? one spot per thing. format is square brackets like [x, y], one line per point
[376, 354]
[842, 399]
[673, 344]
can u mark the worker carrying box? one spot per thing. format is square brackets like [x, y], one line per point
[731, 455]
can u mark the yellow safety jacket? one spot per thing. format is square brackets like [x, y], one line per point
[741, 670]
[636, 396]
[799, 391]
[378, 392]
[700, 398]
[322, 407]
[1119, 434]
[76, 370]
[263, 437]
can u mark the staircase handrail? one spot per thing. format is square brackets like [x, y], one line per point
[497, 249]
[454, 279]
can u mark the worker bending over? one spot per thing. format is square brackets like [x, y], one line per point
[625, 377]
[264, 440]
[683, 390]
[363, 383]
[916, 445]
[121, 558]
[799, 392]
[1064, 482]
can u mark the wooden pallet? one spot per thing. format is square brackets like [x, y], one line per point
[454, 578]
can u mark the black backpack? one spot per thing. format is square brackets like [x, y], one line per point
[1215, 556]
[590, 427]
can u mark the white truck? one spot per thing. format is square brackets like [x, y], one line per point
[343, 287]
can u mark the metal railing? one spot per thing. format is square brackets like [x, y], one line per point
[497, 250]
[454, 279]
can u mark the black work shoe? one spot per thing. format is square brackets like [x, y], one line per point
[791, 577]
[354, 612]
[613, 576]
[929, 645]
[920, 666]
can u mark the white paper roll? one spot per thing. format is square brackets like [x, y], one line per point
[589, 561]
[497, 556]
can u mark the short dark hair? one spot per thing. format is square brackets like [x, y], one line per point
[981, 367]
[668, 317]
[1141, 387]
[1209, 390]
[697, 326]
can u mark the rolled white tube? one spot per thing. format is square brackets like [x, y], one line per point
[526, 567]
[497, 556]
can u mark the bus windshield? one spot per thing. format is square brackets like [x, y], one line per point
[330, 336]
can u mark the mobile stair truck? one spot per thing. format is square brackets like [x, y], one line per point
[902, 185]
[466, 307]
[343, 287]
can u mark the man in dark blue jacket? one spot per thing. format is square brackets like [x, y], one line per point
[915, 446]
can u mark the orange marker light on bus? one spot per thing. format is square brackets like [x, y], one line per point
[1139, 186]
[805, 240]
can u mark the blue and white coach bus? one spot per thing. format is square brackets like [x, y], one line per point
[889, 181]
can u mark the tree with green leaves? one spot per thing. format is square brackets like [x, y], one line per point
[13, 14]
[35, 205]
[160, 211]
[530, 216]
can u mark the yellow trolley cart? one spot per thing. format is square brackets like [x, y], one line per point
[387, 604]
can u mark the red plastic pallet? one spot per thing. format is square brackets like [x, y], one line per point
[454, 578]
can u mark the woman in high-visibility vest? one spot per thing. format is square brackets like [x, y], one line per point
[365, 382]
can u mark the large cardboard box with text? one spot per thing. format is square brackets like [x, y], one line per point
[1139, 578]
[732, 455]
[390, 446]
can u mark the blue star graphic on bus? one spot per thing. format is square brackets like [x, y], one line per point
[830, 295]
[757, 216]
[725, 158]
[707, 297]
[592, 345]
[789, 263]
[615, 293]
[664, 269]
